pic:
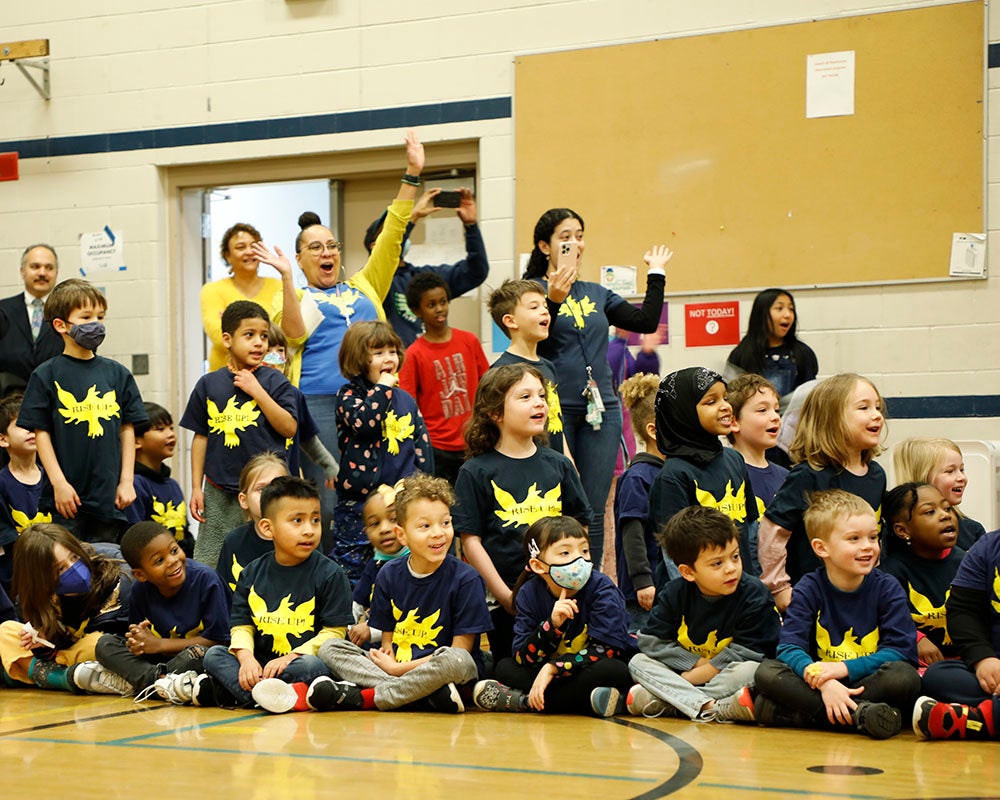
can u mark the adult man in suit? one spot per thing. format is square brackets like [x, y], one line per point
[25, 338]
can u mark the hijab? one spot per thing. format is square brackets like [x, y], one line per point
[679, 433]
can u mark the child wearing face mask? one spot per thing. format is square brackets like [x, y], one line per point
[82, 408]
[381, 433]
[571, 640]
[70, 594]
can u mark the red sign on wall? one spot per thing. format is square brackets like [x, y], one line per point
[708, 324]
[8, 166]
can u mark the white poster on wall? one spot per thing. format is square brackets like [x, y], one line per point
[830, 84]
[101, 251]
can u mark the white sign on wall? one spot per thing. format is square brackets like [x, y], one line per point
[101, 251]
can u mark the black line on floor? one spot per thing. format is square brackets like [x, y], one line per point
[50, 725]
[689, 766]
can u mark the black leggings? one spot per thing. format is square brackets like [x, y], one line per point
[569, 695]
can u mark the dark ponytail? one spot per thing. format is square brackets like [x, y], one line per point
[538, 263]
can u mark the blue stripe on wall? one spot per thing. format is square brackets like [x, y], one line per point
[251, 130]
[943, 407]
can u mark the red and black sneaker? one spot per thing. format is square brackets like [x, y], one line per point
[934, 719]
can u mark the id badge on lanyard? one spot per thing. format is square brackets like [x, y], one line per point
[595, 405]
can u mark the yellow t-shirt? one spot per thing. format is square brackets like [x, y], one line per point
[215, 297]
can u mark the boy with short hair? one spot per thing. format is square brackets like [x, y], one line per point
[709, 630]
[82, 408]
[756, 422]
[177, 609]
[287, 603]
[520, 309]
[431, 609]
[848, 647]
[441, 371]
[158, 497]
[20, 485]
[235, 412]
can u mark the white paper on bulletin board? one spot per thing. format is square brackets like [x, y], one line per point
[968, 255]
[621, 280]
[830, 84]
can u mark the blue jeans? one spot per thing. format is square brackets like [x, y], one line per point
[323, 408]
[225, 668]
[594, 453]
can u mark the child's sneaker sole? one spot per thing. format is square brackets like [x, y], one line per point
[278, 697]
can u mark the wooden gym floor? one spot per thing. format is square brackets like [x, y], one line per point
[57, 745]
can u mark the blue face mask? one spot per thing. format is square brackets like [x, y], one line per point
[573, 575]
[75, 580]
[88, 335]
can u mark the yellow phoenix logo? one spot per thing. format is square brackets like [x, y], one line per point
[411, 631]
[926, 615]
[733, 505]
[21, 520]
[555, 407]
[849, 647]
[397, 429]
[171, 518]
[534, 507]
[284, 621]
[92, 409]
[710, 648]
[232, 418]
[197, 630]
[577, 310]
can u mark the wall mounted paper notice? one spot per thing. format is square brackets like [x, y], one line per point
[830, 84]
[968, 255]
[621, 280]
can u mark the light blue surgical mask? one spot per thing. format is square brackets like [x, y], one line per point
[573, 576]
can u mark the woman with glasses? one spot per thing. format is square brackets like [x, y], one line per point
[243, 283]
[316, 318]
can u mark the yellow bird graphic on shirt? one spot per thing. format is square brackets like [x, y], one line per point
[733, 505]
[284, 621]
[996, 590]
[577, 310]
[92, 409]
[555, 407]
[235, 571]
[343, 300]
[232, 418]
[535, 506]
[197, 630]
[927, 616]
[171, 518]
[411, 631]
[21, 520]
[574, 645]
[849, 648]
[710, 648]
[397, 429]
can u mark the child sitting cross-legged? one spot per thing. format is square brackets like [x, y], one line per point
[177, 609]
[848, 647]
[709, 630]
[285, 606]
[431, 609]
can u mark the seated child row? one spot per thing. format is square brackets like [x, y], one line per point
[845, 656]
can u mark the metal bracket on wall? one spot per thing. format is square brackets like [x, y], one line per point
[31, 48]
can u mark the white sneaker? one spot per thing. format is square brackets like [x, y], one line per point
[738, 707]
[174, 687]
[94, 678]
[643, 703]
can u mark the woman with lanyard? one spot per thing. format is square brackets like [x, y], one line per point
[582, 314]
[315, 318]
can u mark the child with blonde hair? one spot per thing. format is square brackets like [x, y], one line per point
[637, 553]
[939, 462]
[839, 434]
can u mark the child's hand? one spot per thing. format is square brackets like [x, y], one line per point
[563, 610]
[386, 662]
[277, 259]
[645, 597]
[67, 500]
[928, 652]
[988, 674]
[838, 701]
[414, 153]
[536, 697]
[124, 495]
[140, 639]
[658, 256]
[250, 673]
[197, 504]
[247, 381]
[388, 379]
[819, 672]
[360, 633]
[274, 667]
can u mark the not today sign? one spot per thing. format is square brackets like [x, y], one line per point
[708, 324]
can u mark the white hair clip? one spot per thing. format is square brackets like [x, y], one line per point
[533, 550]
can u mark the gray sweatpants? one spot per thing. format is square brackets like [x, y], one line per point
[348, 662]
